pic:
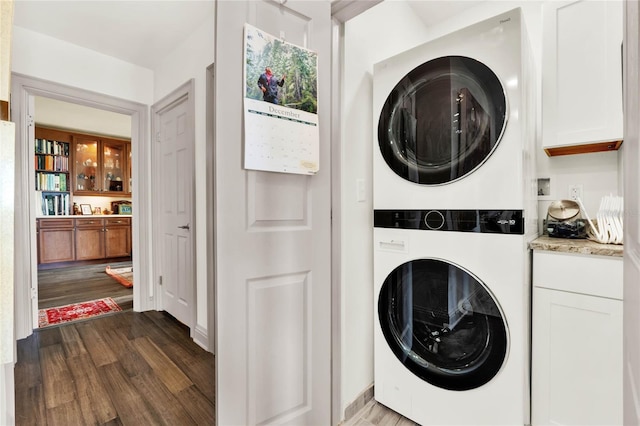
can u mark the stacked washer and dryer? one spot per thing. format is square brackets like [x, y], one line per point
[454, 210]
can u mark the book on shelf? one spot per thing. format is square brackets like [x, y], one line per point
[46, 146]
[55, 204]
[51, 182]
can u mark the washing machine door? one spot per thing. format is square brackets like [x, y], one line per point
[443, 324]
[442, 120]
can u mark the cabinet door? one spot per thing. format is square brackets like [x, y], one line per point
[577, 359]
[582, 73]
[117, 241]
[114, 171]
[89, 239]
[86, 170]
[56, 241]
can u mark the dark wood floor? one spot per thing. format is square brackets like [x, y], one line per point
[127, 368]
[74, 284]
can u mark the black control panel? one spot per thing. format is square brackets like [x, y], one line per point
[481, 221]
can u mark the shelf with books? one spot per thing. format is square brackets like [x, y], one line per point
[55, 203]
[52, 184]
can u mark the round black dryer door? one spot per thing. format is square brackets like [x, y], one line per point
[443, 324]
[442, 120]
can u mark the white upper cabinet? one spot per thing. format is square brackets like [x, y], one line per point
[582, 76]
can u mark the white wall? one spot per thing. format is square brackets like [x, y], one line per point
[187, 61]
[47, 58]
[364, 45]
[367, 40]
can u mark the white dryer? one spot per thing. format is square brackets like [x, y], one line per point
[452, 309]
[454, 121]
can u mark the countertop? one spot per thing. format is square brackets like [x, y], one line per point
[566, 245]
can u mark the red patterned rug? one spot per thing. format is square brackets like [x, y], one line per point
[123, 275]
[61, 314]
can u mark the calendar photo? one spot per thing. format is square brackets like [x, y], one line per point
[280, 105]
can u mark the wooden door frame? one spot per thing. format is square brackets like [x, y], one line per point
[186, 93]
[23, 89]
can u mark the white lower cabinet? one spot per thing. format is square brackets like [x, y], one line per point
[577, 340]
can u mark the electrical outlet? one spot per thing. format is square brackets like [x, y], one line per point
[575, 192]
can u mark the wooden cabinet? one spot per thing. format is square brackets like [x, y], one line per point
[581, 76]
[117, 237]
[88, 238]
[577, 339]
[55, 240]
[101, 166]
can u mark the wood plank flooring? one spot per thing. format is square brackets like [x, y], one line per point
[128, 368]
[376, 414]
[74, 284]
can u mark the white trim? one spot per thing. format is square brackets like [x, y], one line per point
[337, 50]
[8, 403]
[24, 88]
[343, 10]
[211, 207]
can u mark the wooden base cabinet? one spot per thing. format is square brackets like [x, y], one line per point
[56, 240]
[88, 238]
[577, 340]
[117, 237]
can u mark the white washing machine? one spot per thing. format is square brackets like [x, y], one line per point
[454, 121]
[452, 309]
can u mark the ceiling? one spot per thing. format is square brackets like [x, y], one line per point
[140, 32]
[143, 32]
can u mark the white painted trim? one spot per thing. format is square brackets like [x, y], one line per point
[185, 91]
[23, 89]
[211, 207]
[8, 403]
[336, 224]
[343, 10]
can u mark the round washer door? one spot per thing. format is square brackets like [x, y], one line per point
[442, 120]
[443, 324]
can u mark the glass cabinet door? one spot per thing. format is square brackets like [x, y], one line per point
[87, 177]
[114, 172]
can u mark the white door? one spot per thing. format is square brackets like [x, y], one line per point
[272, 238]
[631, 84]
[174, 171]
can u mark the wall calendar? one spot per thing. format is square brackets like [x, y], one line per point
[280, 105]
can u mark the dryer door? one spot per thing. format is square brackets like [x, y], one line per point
[442, 120]
[443, 324]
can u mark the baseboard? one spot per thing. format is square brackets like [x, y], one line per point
[359, 403]
[201, 338]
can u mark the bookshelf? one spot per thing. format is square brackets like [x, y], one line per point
[52, 176]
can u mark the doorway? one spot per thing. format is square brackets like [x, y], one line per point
[26, 90]
[65, 154]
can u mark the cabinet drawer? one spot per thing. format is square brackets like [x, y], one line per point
[55, 223]
[118, 221]
[584, 274]
[89, 223]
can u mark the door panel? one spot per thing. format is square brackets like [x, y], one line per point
[272, 234]
[174, 191]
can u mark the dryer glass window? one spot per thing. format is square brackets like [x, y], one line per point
[442, 120]
[443, 324]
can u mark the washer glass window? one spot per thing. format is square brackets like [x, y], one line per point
[443, 324]
[442, 120]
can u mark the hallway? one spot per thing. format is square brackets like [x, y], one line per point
[128, 368]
